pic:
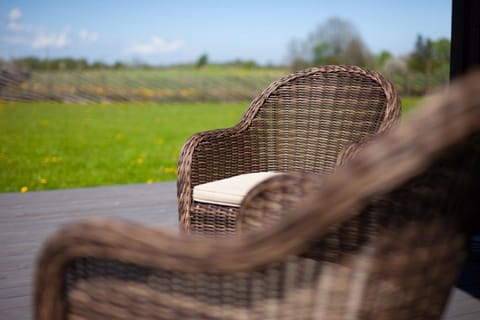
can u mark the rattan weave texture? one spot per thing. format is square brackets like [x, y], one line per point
[299, 123]
[382, 238]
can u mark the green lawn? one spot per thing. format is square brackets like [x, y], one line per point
[56, 146]
[408, 103]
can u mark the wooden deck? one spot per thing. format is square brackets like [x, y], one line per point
[27, 219]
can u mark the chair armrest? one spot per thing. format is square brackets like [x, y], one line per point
[274, 198]
[105, 264]
[210, 156]
[109, 269]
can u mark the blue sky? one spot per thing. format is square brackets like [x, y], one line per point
[177, 31]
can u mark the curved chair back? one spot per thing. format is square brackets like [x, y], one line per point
[309, 121]
[302, 122]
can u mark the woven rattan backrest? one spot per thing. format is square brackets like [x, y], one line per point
[426, 170]
[303, 121]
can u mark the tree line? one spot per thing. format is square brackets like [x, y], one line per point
[33, 63]
[66, 63]
[337, 41]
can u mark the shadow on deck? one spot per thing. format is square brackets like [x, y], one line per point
[27, 219]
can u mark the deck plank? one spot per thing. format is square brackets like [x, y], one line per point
[27, 219]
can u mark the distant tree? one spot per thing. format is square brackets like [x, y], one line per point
[431, 58]
[396, 70]
[30, 63]
[119, 65]
[250, 64]
[429, 55]
[66, 63]
[202, 61]
[299, 64]
[337, 33]
[323, 53]
[99, 65]
[441, 49]
[81, 64]
[441, 53]
[246, 64]
[429, 63]
[441, 59]
[395, 66]
[356, 53]
[381, 59]
[336, 41]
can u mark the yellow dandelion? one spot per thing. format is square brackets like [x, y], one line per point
[170, 170]
[148, 92]
[140, 160]
[54, 159]
[149, 181]
[23, 189]
[43, 181]
[45, 122]
[118, 136]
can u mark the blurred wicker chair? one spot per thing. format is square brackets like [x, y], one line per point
[299, 123]
[382, 238]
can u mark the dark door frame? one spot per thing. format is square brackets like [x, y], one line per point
[465, 37]
[464, 56]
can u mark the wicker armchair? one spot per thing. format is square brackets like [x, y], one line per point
[382, 238]
[300, 123]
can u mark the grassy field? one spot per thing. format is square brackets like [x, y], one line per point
[409, 103]
[56, 146]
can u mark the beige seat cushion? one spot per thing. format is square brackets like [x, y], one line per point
[229, 191]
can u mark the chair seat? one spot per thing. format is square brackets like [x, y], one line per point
[229, 191]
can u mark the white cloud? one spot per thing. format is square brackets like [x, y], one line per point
[88, 36]
[14, 19]
[156, 45]
[15, 24]
[39, 37]
[15, 14]
[51, 39]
